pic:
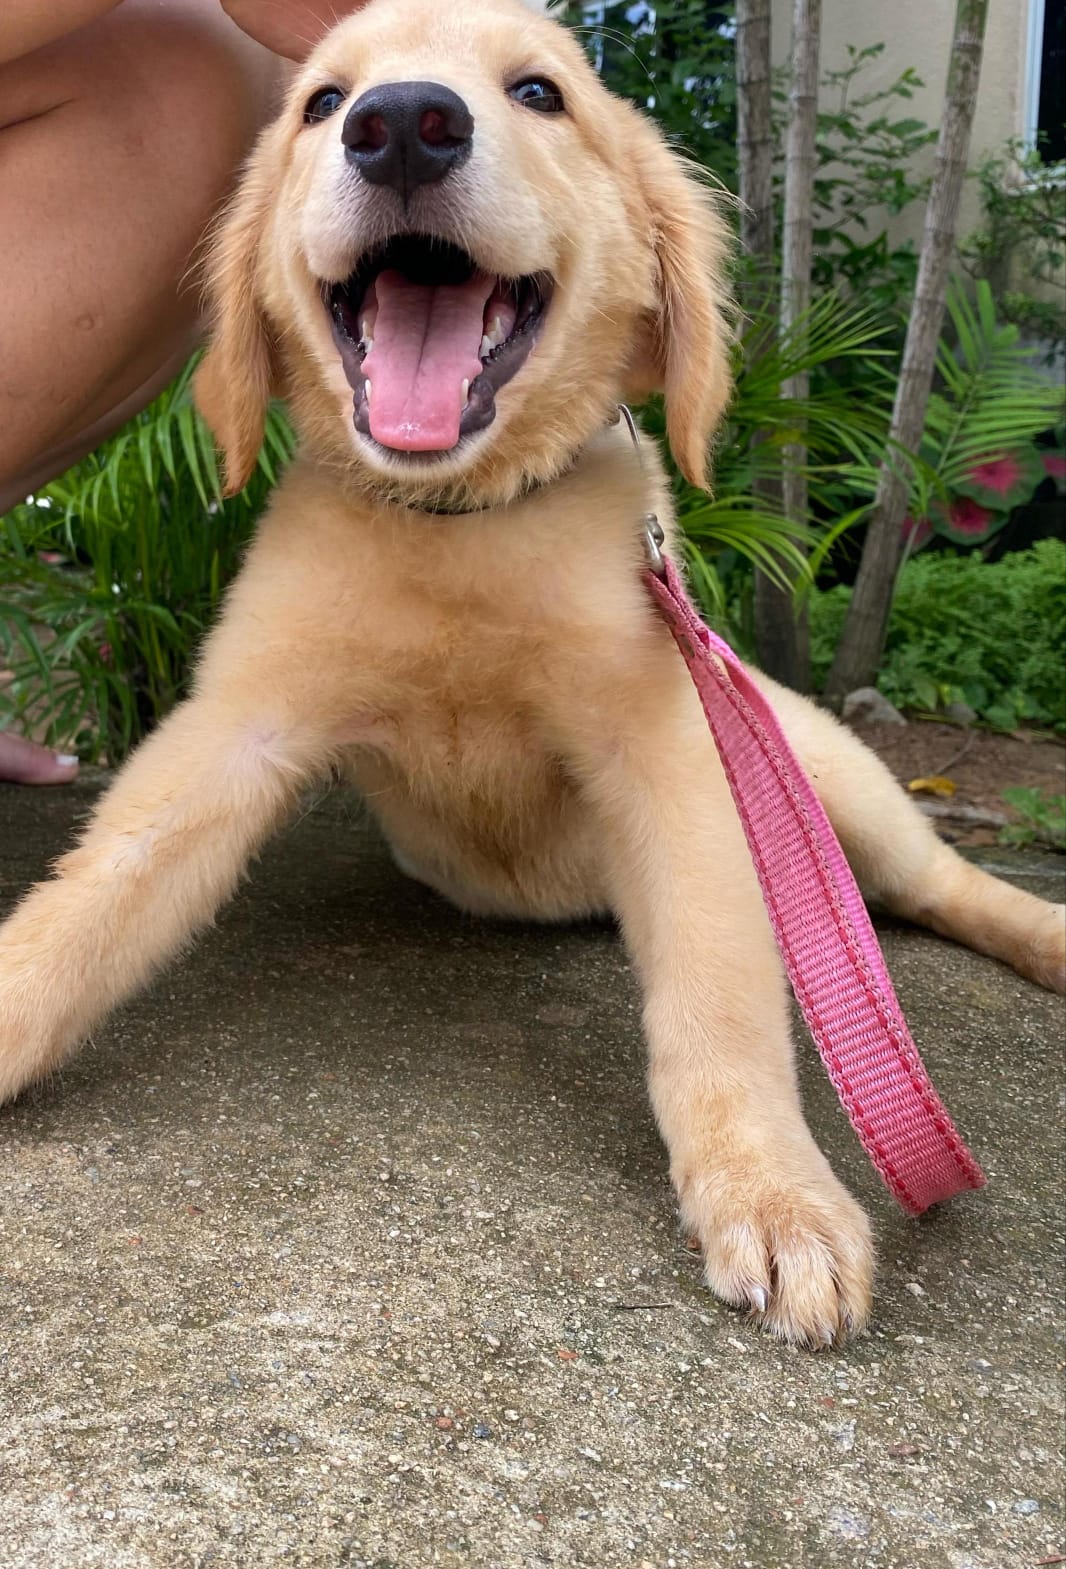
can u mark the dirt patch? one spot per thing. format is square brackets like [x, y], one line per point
[979, 763]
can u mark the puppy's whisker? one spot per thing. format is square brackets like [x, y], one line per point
[615, 36]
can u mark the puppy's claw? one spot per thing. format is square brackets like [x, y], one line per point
[795, 1253]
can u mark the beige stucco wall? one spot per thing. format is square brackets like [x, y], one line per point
[918, 33]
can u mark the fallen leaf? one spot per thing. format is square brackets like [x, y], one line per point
[566, 1356]
[903, 1451]
[935, 784]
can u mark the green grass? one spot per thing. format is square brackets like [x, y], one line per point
[1043, 818]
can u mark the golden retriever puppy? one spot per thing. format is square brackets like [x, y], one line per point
[453, 253]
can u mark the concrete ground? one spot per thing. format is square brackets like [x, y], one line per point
[351, 1243]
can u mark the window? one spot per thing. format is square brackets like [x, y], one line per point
[1045, 118]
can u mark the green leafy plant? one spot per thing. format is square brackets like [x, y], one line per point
[868, 145]
[675, 59]
[989, 634]
[735, 524]
[991, 406]
[1020, 248]
[111, 573]
[1043, 818]
[978, 458]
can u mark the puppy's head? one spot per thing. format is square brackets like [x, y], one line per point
[453, 252]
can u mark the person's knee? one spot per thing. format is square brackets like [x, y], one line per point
[148, 66]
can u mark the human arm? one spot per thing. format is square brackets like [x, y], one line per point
[26, 25]
[288, 27]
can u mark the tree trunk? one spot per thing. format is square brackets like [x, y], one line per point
[755, 153]
[863, 638]
[755, 160]
[774, 606]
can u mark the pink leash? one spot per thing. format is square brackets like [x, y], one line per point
[823, 931]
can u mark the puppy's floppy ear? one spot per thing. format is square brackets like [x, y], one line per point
[686, 348]
[239, 373]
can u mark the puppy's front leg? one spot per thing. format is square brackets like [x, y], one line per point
[779, 1233]
[165, 847]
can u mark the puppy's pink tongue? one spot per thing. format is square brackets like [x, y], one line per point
[426, 344]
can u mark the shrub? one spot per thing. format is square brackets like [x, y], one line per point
[990, 634]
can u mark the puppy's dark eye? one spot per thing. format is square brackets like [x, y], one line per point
[322, 104]
[539, 93]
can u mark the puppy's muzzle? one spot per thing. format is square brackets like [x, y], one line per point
[407, 134]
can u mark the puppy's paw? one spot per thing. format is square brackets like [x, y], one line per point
[794, 1248]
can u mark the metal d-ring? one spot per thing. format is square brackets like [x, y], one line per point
[654, 537]
[653, 543]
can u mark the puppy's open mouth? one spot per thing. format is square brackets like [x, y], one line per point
[427, 339]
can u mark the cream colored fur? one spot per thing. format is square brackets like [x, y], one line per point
[498, 683]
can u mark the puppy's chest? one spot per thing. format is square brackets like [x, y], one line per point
[453, 721]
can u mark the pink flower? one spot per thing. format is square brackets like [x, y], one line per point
[999, 474]
[966, 517]
[1054, 465]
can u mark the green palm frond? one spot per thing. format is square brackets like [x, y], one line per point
[112, 572]
[994, 397]
[762, 429]
[990, 398]
[832, 329]
[767, 538]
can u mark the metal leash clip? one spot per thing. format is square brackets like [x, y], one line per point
[654, 536]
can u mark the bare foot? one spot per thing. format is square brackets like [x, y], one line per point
[24, 762]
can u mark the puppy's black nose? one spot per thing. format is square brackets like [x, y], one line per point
[407, 134]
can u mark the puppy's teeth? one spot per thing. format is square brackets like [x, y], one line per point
[368, 344]
[465, 390]
[486, 348]
[495, 335]
[367, 386]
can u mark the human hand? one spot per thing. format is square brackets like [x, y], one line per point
[289, 27]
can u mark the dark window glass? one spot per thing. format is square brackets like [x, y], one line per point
[1051, 113]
